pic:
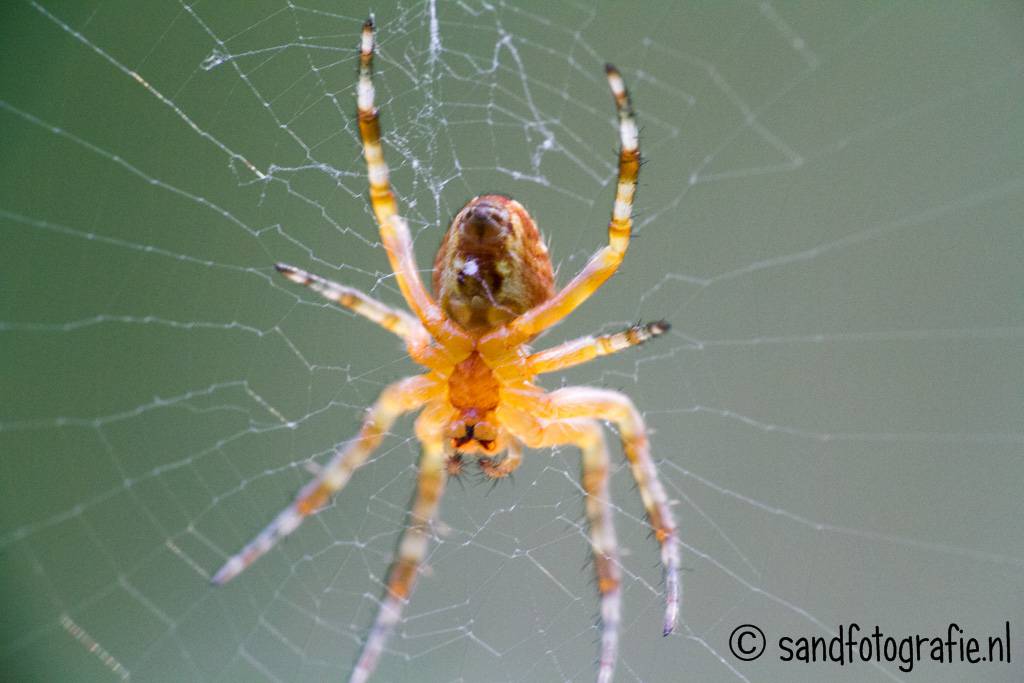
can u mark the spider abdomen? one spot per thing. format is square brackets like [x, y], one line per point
[492, 264]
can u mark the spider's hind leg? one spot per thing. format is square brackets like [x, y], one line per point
[394, 230]
[606, 261]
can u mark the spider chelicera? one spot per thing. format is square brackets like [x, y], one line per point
[495, 292]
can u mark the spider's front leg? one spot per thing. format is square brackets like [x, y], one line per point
[589, 438]
[411, 549]
[397, 398]
[603, 404]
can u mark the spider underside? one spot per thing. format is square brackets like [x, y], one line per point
[493, 293]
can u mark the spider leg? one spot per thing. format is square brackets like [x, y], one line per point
[394, 230]
[393, 320]
[411, 551]
[602, 404]
[589, 438]
[583, 349]
[606, 261]
[397, 398]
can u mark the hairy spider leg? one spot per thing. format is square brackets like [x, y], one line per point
[583, 349]
[606, 261]
[400, 397]
[411, 551]
[393, 320]
[588, 436]
[603, 404]
[394, 230]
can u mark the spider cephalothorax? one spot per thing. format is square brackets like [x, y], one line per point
[495, 292]
[474, 394]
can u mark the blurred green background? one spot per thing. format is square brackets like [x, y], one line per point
[830, 216]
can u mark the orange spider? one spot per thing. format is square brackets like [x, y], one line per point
[495, 292]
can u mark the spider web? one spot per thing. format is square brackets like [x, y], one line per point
[830, 218]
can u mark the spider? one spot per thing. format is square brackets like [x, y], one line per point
[495, 292]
